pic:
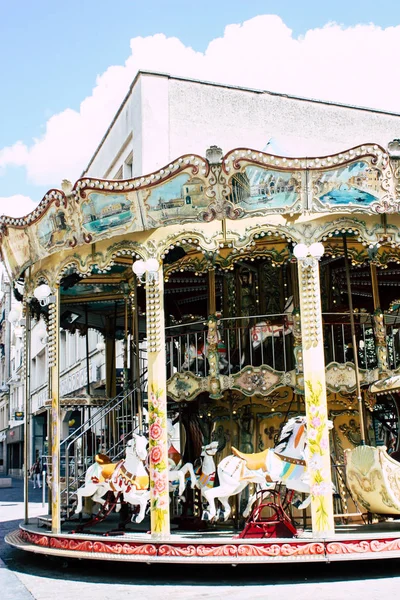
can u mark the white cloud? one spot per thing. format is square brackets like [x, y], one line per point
[17, 205]
[351, 65]
[13, 156]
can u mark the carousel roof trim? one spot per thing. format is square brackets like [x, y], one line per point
[190, 189]
[237, 156]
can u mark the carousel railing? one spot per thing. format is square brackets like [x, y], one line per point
[105, 432]
[338, 339]
[242, 341]
[184, 345]
[393, 341]
[256, 340]
[268, 339]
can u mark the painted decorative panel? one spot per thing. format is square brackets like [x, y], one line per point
[180, 199]
[16, 249]
[53, 230]
[256, 188]
[356, 184]
[358, 180]
[106, 212]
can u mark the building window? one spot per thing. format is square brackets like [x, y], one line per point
[128, 167]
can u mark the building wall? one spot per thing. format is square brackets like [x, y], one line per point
[124, 138]
[201, 115]
[164, 117]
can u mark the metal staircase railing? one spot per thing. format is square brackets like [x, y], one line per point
[106, 432]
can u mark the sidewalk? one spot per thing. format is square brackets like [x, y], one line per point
[11, 587]
[12, 501]
[11, 513]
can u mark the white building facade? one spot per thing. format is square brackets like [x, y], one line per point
[163, 117]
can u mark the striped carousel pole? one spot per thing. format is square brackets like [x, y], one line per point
[318, 454]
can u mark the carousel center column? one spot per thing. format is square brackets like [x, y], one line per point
[152, 271]
[318, 454]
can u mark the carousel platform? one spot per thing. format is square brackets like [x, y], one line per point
[350, 542]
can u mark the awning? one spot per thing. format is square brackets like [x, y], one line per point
[385, 386]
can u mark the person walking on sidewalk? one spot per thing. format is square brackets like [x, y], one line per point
[37, 474]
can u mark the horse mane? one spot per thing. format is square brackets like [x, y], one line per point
[286, 434]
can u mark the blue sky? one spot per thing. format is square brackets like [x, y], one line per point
[53, 51]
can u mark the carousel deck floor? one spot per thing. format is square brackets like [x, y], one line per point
[218, 545]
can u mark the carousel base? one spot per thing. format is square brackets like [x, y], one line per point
[350, 542]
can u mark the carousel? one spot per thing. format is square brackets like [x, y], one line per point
[255, 416]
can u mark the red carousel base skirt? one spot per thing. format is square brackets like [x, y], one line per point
[372, 542]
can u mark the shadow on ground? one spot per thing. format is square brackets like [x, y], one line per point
[93, 571]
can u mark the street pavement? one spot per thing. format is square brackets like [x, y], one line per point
[24, 576]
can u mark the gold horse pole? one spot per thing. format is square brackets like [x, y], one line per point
[354, 341]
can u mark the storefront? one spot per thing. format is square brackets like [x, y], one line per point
[39, 436]
[15, 451]
[3, 452]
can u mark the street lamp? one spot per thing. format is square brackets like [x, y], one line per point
[308, 253]
[14, 316]
[43, 294]
[150, 266]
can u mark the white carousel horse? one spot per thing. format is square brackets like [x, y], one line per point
[177, 473]
[128, 476]
[206, 473]
[264, 330]
[202, 478]
[284, 464]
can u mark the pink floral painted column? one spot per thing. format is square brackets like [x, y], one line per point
[318, 454]
[157, 385]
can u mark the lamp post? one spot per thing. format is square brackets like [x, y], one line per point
[150, 272]
[318, 455]
[46, 297]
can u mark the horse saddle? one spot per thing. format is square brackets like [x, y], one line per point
[107, 467]
[253, 461]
